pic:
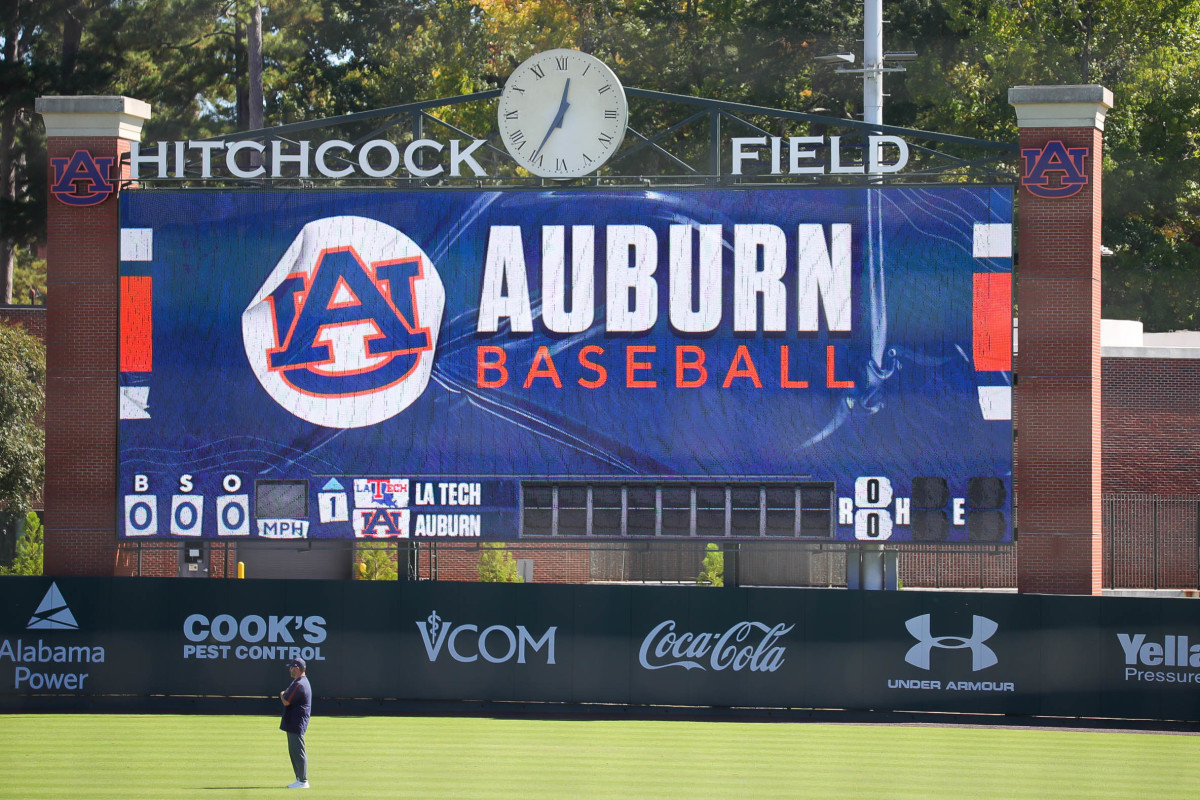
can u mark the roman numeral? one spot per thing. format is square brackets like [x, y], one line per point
[609, 113]
[518, 138]
[560, 62]
[560, 165]
[586, 158]
[537, 70]
[510, 114]
[605, 88]
[540, 159]
[605, 139]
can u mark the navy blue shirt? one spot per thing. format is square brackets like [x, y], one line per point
[295, 716]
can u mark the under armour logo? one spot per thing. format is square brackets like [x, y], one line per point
[982, 629]
[1054, 157]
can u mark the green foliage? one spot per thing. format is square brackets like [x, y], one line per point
[30, 548]
[377, 561]
[712, 570]
[1148, 53]
[29, 278]
[22, 405]
[497, 564]
[329, 57]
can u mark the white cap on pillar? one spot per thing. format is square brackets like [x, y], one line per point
[1060, 106]
[93, 115]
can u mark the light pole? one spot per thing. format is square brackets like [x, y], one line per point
[876, 62]
[868, 570]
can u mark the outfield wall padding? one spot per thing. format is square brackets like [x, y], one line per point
[158, 639]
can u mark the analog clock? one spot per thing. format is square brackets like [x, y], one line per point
[562, 114]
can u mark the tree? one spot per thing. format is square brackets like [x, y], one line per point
[29, 277]
[377, 561]
[30, 548]
[497, 565]
[712, 571]
[188, 59]
[22, 406]
[25, 27]
[1148, 53]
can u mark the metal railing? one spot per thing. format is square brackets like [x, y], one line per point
[1151, 541]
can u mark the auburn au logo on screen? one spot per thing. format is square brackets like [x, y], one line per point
[343, 331]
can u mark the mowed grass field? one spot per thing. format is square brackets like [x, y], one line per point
[132, 756]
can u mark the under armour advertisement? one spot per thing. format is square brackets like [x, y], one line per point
[148, 640]
[464, 365]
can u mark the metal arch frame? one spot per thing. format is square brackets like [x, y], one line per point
[995, 164]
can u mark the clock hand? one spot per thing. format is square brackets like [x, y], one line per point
[558, 119]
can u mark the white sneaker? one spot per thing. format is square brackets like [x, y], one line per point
[298, 785]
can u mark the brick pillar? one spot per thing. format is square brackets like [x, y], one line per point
[1057, 399]
[86, 140]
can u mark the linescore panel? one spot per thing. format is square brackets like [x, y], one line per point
[332, 507]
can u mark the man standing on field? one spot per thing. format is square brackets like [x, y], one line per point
[297, 706]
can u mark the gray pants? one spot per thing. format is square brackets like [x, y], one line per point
[299, 757]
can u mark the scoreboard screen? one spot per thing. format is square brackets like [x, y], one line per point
[452, 365]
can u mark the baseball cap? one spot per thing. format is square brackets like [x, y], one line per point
[297, 662]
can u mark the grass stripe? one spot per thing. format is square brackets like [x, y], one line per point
[132, 756]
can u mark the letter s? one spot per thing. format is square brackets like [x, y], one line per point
[314, 628]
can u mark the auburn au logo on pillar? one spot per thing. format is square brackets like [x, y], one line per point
[1054, 158]
[82, 179]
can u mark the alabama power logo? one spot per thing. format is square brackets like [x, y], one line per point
[343, 331]
[1054, 158]
[82, 180]
[50, 663]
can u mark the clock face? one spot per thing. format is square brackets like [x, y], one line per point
[562, 114]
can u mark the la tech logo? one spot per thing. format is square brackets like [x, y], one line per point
[82, 180]
[343, 331]
[1054, 158]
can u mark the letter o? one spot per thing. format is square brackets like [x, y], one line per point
[224, 628]
[512, 644]
[253, 628]
[191, 515]
[364, 158]
[231, 483]
[239, 516]
[140, 515]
